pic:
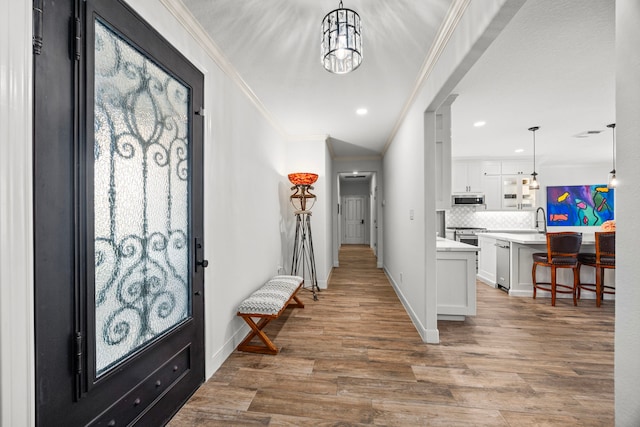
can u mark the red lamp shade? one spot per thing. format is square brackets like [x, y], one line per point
[303, 178]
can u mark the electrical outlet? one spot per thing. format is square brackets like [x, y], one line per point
[280, 270]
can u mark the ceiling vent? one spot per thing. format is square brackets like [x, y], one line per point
[354, 176]
[587, 133]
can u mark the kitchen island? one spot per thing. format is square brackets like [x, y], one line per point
[521, 248]
[456, 279]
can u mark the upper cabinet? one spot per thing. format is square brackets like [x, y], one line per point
[492, 189]
[465, 176]
[516, 194]
[505, 184]
[491, 168]
[516, 168]
[443, 154]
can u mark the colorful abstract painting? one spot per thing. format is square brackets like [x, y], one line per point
[579, 205]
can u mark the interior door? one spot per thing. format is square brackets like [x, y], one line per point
[118, 211]
[354, 214]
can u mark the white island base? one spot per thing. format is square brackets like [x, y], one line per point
[522, 247]
[456, 278]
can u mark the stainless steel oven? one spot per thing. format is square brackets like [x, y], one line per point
[467, 235]
[469, 239]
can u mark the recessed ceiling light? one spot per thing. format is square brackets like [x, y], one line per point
[519, 150]
[479, 124]
[355, 172]
[361, 111]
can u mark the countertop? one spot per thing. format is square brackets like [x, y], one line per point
[532, 238]
[447, 245]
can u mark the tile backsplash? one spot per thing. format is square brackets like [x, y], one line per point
[467, 216]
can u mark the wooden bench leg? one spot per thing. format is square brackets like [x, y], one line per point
[299, 304]
[268, 348]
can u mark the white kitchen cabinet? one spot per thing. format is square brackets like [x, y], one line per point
[516, 194]
[443, 175]
[517, 168]
[456, 280]
[492, 189]
[465, 176]
[491, 167]
[443, 154]
[487, 259]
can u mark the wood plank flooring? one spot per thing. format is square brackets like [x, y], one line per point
[354, 358]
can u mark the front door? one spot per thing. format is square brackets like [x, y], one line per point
[118, 145]
[354, 214]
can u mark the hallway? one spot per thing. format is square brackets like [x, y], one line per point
[354, 358]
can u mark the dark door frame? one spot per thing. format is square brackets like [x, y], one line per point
[66, 392]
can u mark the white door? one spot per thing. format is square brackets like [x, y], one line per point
[354, 221]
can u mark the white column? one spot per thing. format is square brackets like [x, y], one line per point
[17, 401]
[627, 335]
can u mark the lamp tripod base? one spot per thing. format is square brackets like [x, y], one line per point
[303, 263]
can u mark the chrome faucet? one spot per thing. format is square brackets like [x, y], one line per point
[544, 220]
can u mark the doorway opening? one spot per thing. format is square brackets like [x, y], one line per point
[357, 212]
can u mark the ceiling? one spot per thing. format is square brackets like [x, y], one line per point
[552, 66]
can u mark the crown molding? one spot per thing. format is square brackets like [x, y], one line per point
[357, 158]
[454, 14]
[193, 27]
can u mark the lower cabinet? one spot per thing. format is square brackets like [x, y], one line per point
[456, 284]
[487, 260]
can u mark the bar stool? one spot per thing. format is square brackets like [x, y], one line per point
[605, 257]
[562, 252]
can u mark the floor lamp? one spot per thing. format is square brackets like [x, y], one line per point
[303, 262]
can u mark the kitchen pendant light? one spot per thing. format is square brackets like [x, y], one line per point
[534, 185]
[613, 182]
[341, 41]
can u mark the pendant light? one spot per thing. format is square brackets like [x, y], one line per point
[613, 182]
[534, 185]
[341, 41]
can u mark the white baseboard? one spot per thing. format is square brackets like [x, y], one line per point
[430, 336]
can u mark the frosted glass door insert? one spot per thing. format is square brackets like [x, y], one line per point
[141, 200]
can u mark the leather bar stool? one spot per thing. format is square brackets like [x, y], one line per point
[605, 257]
[562, 252]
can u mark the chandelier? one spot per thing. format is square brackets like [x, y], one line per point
[341, 43]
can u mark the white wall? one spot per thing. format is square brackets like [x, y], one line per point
[350, 188]
[409, 169]
[627, 339]
[572, 174]
[17, 401]
[312, 156]
[404, 237]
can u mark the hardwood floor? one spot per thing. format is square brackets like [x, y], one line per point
[354, 358]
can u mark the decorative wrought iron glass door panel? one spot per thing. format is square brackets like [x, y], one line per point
[141, 200]
[118, 196]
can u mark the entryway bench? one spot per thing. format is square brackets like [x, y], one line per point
[268, 303]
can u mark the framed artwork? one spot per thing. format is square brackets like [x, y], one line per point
[579, 205]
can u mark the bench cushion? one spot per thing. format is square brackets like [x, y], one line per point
[271, 297]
